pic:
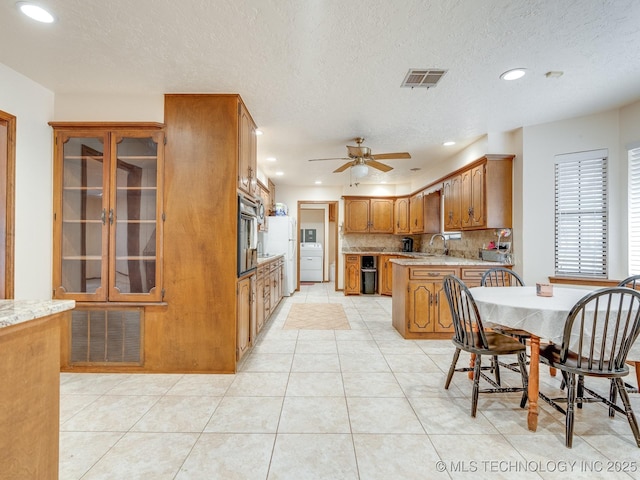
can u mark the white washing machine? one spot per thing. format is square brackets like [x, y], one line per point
[311, 262]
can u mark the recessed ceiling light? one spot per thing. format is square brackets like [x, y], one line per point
[383, 181]
[35, 12]
[279, 174]
[449, 143]
[270, 159]
[318, 182]
[513, 74]
[258, 132]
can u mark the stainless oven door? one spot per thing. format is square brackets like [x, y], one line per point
[247, 236]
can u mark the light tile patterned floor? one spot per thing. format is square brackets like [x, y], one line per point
[327, 404]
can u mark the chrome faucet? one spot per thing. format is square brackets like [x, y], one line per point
[444, 242]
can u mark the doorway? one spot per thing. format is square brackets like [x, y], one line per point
[318, 223]
[7, 202]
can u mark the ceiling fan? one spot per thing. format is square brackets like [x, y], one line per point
[360, 158]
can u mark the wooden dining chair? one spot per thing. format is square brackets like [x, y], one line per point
[633, 282]
[598, 334]
[471, 336]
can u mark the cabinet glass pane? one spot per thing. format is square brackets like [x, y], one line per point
[135, 208]
[82, 196]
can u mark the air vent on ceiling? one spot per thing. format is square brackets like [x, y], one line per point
[426, 77]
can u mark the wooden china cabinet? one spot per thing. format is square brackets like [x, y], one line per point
[107, 235]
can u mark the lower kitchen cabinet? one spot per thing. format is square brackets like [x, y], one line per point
[246, 316]
[352, 275]
[385, 274]
[420, 308]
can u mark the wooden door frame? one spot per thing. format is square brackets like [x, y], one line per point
[7, 207]
[301, 203]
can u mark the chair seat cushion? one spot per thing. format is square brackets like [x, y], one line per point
[550, 354]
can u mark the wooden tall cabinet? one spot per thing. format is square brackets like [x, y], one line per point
[108, 221]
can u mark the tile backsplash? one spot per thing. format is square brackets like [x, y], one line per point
[465, 247]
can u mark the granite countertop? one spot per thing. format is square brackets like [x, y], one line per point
[443, 260]
[265, 258]
[13, 312]
[419, 258]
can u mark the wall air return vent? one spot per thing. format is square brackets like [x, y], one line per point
[425, 77]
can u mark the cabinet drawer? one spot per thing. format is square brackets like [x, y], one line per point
[472, 274]
[430, 273]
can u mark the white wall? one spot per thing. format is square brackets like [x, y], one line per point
[32, 105]
[540, 145]
[109, 108]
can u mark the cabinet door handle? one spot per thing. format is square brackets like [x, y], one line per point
[430, 298]
[103, 216]
[111, 216]
[433, 274]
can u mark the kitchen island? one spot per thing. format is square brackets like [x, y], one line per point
[30, 387]
[419, 308]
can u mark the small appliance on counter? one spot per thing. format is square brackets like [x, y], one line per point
[407, 244]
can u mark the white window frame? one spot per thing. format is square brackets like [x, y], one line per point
[633, 206]
[581, 214]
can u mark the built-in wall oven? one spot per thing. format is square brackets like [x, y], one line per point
[247, 235]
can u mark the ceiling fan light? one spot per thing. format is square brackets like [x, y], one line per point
[359, 171]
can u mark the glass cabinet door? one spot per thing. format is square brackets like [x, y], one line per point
[81, 270]
[107, 214]
[135, 210]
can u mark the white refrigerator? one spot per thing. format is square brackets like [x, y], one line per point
[281, 239]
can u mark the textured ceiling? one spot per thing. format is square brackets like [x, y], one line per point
[317, 73]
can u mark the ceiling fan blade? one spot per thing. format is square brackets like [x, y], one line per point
[379, 166]
[343, 167]
[389, 156]
[323, 159]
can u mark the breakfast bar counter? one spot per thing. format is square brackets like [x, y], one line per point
[30, 387]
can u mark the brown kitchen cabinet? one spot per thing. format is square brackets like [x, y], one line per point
[263, 194]
[352, 275]
[247, 153]
[416, 213]
[108, 208]
[401, 215]
[261, 305]
[385, 274]
[246, 318]
[480, 195]
[432, 212]
[420, 308]
[368, 215]
[452, 201]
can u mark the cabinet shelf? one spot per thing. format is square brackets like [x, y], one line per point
[80, 221]
[129, 222]
[137, 258]
[82, 257]
[136, 188]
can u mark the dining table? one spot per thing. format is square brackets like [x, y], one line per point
[544, 317]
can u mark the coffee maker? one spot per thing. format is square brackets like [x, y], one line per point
[407, 244]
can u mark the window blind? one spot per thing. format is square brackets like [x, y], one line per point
[581, 214]
[634, 211]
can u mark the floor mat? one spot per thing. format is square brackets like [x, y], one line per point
[316, 316]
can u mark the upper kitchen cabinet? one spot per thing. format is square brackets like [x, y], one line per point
[432, 212]
[401, 215]
[479, 196]
[247, 153]
[368, 215]
[416, 213]
[108, 211]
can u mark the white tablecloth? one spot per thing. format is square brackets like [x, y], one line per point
[520, 307]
